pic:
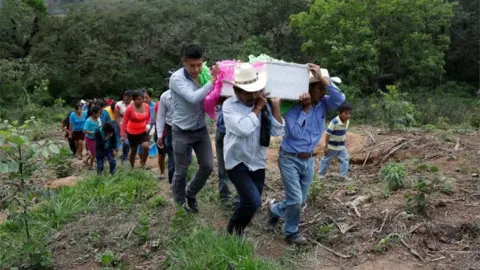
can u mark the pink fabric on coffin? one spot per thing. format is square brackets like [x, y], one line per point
[226, 70]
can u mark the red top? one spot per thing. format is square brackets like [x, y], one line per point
[135, 123]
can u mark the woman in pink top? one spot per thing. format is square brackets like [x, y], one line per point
[134, 126]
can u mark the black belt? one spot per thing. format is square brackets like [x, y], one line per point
[187, 130]
[301, 156]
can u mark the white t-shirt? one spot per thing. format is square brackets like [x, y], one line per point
[121, 106]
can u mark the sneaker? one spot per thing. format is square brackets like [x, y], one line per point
[272, 219]
[296, 239]
[192, 204]
[322, 177]
[161, 177]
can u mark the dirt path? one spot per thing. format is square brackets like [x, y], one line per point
[445, 238]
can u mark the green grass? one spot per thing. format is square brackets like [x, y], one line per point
[189, 245]
[207, 249]
[94, 194]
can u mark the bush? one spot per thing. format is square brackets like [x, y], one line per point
[61, 163]
[418, 201]
[397, 111]
[394, 175]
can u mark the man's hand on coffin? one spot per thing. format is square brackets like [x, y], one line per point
[305, 101]
[275, 102]
[315, 69]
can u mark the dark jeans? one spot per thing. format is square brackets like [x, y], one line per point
[125, 150]
[100, 155]
[249, 186]
[183, 142]
[223, 181]
[71, 144]
[171, 157]
[125, 146]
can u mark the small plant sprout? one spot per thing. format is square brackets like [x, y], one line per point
[351, 190]
[385, 243]
[316, 190]
[157, 201]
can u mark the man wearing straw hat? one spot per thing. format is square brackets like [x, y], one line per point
[249, 122]
[305, 124]
[188, 127]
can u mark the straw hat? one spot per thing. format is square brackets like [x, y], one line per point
[246, 78]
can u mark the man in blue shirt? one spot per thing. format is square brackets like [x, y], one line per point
[304, 127]
[188, 127]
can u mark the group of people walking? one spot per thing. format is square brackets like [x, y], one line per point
[245, 123]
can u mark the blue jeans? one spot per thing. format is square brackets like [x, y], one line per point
[249, 186]
[297, 177]
[342, 156]
[100, 155]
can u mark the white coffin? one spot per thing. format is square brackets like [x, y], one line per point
[285, 80]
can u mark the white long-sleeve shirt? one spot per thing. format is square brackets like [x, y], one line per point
[165, 111]
[242, 138]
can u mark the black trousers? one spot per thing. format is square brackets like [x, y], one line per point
[249, 185]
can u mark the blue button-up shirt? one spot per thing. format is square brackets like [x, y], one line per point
[220, 122]
[304, 130]
[188, 98]
[242, 139]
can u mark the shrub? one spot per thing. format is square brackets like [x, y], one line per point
[397, 111]
[418, 201]
[394, 175]
[61, 163]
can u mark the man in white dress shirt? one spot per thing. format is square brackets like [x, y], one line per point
[250, 120]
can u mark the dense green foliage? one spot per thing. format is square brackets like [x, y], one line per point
[99, 47]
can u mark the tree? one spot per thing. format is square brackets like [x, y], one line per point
[377, 42]
[463, 61]
[19, 76]
[19, 24]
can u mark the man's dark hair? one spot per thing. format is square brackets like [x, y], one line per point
[192, 52]
[345, 107]
[78, 105]
[94, 110]
[108, 128]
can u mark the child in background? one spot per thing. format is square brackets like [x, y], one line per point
[92, 123]
[335, 143]
[105, 146]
